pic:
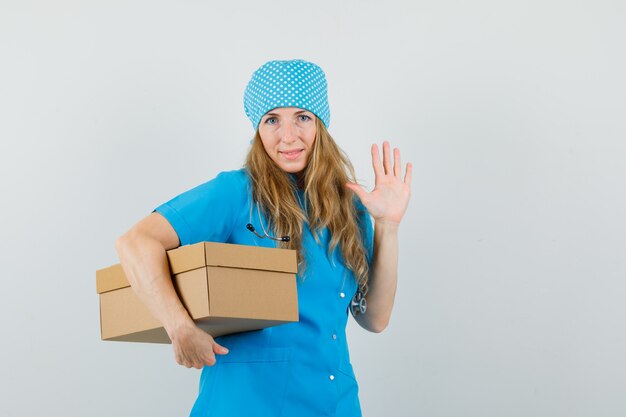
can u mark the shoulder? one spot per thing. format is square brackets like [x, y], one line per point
[236, 178]
[231, 183]
[220, 199]
[227, 186]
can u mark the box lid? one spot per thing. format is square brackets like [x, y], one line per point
[189, 257]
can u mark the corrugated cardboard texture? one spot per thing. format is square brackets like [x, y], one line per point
[192, 288]
[244, 293]
[121, 313]
[247, 291]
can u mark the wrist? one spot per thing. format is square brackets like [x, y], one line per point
[386, 226]
[179, 325]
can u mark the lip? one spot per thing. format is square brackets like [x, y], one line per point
[291, 154]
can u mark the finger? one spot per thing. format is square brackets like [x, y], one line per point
[357, 189]
[219, 349]
[179, 358]
[397, 165]
[378, 169]
[209, 360]
[204, 358]
[189, 361]
[409, 174]
[386, 158]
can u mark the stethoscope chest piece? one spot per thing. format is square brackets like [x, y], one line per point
[251, 228]
[358, 303]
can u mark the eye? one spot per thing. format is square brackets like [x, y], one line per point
[271, 120]
[304, 118]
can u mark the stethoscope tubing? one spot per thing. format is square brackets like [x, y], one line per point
[358, 304]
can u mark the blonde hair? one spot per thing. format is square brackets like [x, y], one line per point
[328, 202]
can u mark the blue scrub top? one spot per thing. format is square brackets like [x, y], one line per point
[296, 369]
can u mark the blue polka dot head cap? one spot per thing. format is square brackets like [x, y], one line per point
[295, 83]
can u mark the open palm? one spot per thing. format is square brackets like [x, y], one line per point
[388, 201]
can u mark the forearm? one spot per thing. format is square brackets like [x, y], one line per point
[383, 278]
[144, 261]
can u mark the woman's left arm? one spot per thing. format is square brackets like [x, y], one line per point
[386, 203]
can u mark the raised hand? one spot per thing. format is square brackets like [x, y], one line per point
[388, 201]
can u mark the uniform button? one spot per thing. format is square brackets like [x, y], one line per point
[342, 295]
[331, 377]
[334, 336]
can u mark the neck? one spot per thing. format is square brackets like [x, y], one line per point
[297, 178]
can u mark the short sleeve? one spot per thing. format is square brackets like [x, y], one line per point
[366, 227]
[209, 211]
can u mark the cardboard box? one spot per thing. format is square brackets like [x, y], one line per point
[225, 288]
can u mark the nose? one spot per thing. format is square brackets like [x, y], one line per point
[288, 132]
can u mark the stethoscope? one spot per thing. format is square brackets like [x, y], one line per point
[358, 305]
[265, 234]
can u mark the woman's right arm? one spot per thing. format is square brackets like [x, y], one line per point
[142, 253]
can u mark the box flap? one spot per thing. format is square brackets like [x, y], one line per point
[111, 278]
[189, 257]
[186, 258]
[251, 257]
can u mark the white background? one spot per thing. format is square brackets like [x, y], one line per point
[512, 265]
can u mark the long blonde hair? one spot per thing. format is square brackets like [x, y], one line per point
[328, 202]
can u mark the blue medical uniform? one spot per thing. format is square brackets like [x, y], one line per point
[296, 369]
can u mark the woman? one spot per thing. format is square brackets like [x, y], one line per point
[297, 183]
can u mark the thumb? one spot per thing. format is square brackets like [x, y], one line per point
[219, 349]
[357, 189]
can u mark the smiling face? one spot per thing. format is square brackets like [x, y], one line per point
[288, 134]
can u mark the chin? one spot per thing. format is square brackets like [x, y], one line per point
[292, 170]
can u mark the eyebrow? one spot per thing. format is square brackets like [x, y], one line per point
[298, 112]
